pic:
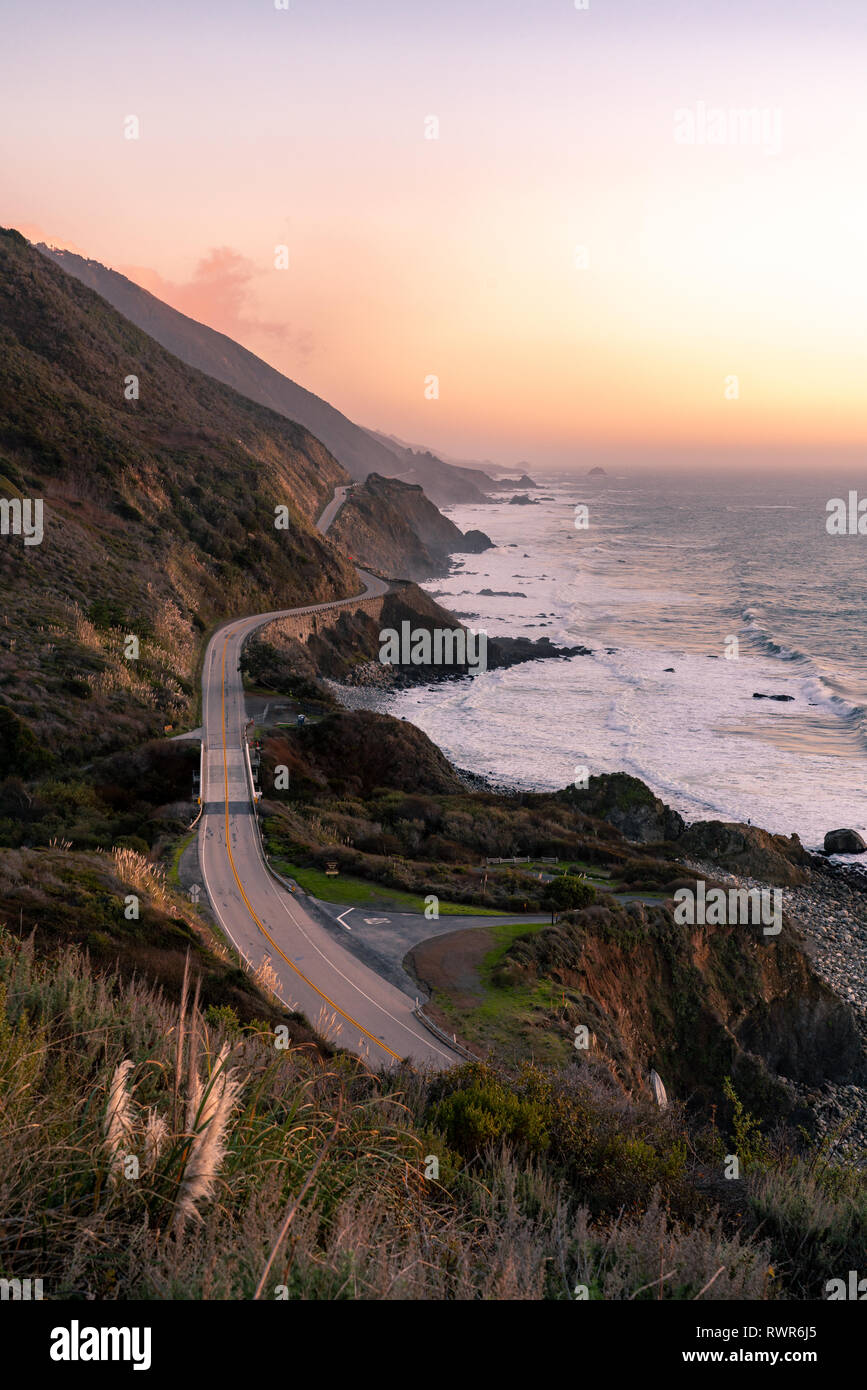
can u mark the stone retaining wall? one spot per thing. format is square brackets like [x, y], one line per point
[303, 625]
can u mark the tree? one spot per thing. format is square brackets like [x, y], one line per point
[567, 892]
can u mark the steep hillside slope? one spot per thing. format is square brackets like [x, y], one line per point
[695, 1003]
[360, 451]
[159, 518]
[444, 484]
[393, 526]
[226, 361]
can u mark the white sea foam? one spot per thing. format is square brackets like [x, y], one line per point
[662, 582]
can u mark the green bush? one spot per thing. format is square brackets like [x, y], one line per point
[132, 842]
[222, 1016]
[488, 1113]
[566, 893]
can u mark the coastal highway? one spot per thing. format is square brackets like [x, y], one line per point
[330, 512]
[342, 997]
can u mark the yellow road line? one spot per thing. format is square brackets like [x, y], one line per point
[263, 930]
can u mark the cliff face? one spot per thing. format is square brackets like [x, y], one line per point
[643, 818]
[392, 526]
[158, 516]
[747, 849]
[628, 804]
[447, 484]
[361, 752]
[696, 1003]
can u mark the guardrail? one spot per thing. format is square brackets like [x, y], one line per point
[253, 796]
[443, 1036]
[194, 822]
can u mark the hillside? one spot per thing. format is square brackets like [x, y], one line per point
[159, 519]
[445, 484]
[226, 361]
[392, 525]
[360, 451]
[448, 482]
[695, 1003]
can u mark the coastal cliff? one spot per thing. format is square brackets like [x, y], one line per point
[392, 526]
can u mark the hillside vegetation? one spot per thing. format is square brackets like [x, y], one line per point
[148, 1150]
[159, 519]
[392, 525]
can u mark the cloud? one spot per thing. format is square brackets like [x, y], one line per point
[221, 294]
[36, 233]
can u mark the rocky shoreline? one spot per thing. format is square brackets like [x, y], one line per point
[502, 652]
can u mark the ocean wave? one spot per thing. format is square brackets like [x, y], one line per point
[761, 638]
[820, 691]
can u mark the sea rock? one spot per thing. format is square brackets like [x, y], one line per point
[524, 481]
[844, 842]
[475, 542]
[746, 849]
[757, 696]
[597, 473]
[522, 500]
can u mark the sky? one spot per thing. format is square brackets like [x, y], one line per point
[596, 257]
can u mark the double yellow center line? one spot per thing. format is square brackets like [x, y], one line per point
[330, 1002]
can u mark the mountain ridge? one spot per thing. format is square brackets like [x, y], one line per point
[361, 451]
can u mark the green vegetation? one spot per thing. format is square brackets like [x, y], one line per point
[357, 892]
[748, 1142]
[182, 1132]
[567, 892]
[143, 795]
[19, 747]
[508, 1009]
[375, 796]
[173, 865]
[135, 543]
[73, 900]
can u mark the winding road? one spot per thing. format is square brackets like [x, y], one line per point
[343, 998]
[330, 512]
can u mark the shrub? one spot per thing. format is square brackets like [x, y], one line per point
[132, 842]
[566, 893]
[748, 1141]
[487, 1112]
[222, 1016]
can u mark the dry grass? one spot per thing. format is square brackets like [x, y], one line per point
[135, 870]
[280, 1173]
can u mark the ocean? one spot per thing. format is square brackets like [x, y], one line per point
[694, 597]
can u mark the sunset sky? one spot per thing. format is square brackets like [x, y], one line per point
[457, 256]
